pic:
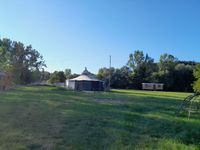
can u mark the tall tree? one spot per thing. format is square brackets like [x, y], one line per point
[142, 67]
[135, 59]
[167, 62]
[68, 73]
[5, 46]
[19, 60]
[131, 63]
[139, 57]
[62, 77]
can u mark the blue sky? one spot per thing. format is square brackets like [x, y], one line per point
[78, 33]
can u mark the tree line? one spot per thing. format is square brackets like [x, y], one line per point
[175, 74]
[22, 63]
[26, 65]
[140, 68]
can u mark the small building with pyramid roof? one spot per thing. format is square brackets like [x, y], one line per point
[85, 82]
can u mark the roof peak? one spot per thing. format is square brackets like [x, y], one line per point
[86, 72]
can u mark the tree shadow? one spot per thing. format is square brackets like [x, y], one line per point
[136, 120]
[101, 125]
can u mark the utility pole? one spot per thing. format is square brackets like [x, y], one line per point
[109, 72]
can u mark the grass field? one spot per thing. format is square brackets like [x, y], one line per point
[45, 118]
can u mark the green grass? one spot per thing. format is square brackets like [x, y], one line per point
[43, 118]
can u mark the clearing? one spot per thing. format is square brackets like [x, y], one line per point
[43, 118]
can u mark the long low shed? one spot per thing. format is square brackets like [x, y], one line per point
[152, 86]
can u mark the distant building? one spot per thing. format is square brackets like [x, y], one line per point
[153, 86]
[85, 82]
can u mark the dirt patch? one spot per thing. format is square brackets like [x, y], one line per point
[109, 100]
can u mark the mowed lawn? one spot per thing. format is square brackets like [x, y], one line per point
[49, 118]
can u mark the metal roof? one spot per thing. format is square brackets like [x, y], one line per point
[85, 78]
[153, 83]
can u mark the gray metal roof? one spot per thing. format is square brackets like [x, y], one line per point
[153, 83]
[85, 76]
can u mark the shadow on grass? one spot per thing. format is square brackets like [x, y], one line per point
[154, 94]
[114, 121]
[73, 120]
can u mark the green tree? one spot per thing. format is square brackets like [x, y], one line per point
[5, 46]
[167, 62]
[178, 79]
[135, 59]
[183, 78]
[131, 63]
[104, 74]
[138, 57]
[46, 75]
[57, 76]
[121, 78]
[19, 60]
[62, 77]
[196, 84]
[54, 78]
[68, 73]
[142, 67]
